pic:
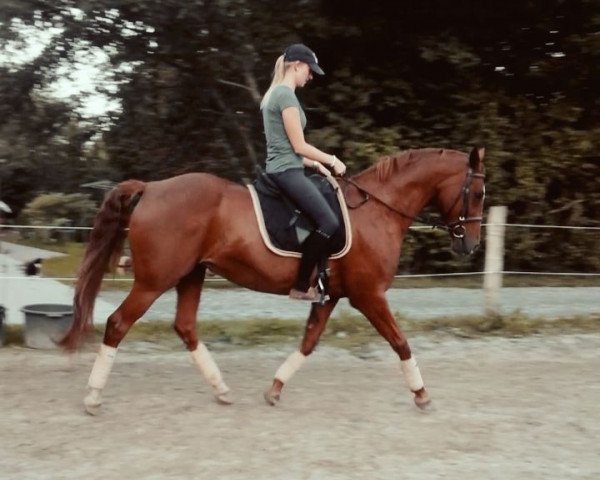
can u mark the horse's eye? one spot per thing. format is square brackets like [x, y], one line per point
[479, 195]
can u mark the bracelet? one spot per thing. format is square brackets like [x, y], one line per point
[315, 165]
[334, 158]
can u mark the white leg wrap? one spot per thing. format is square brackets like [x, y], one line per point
[411, 373]
[102, 367]
[290, 366]
[209, 369]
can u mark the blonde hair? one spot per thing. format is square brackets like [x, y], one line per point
[278, 74]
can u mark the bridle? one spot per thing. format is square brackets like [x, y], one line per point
[455, 229]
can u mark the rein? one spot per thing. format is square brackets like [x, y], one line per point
[456, 229]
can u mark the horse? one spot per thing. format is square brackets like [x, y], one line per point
[181, 226]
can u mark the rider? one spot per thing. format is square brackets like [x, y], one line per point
[288, 154]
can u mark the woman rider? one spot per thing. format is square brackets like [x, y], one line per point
[288, 154]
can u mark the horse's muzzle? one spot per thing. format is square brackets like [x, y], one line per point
[463, 246]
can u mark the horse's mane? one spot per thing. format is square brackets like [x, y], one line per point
[387, 166]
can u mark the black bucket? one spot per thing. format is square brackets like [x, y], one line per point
[46, 323]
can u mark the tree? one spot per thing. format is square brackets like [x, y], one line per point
[518, 78]
[58, 210]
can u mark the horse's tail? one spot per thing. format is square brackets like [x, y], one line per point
[103, 250]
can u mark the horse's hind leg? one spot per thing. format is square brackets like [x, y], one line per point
[189, 290]
[377, 311]
[119, 322]
[319, 314]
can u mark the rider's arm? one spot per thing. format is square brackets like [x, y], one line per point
[313, 164]
[293, 129]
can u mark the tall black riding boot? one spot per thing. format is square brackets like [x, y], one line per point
[315, 247]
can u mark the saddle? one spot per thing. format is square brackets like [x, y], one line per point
[284, 226]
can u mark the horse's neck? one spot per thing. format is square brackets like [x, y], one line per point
[413, 187]
[419, 188]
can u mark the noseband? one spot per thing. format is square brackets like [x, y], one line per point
[455, 229]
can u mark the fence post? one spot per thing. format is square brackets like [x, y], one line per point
[494, 259]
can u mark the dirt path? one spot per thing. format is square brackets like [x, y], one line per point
[503, 409]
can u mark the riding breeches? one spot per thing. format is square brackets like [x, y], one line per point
[308, 198]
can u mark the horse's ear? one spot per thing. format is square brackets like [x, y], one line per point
[476, 158]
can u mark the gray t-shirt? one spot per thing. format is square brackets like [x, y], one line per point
[280, 154]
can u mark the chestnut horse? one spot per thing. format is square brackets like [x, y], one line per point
[179, 227]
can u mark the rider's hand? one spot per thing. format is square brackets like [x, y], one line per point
[338, 167]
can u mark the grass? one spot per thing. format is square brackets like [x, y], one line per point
[65, 266]
[347, 331]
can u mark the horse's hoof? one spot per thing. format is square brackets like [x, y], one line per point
[92, 402]
[272, 398]
[92, 407]
[224, 399]
[422, 401]
[93, 411]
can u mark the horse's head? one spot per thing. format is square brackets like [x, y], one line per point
[460, 199]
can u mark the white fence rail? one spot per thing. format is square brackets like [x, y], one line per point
[494, 255]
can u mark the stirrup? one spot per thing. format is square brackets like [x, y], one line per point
[323, 298]
[322, 284]
[310, 295]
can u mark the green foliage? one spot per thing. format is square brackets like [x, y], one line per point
[188, 77]
[58, 210]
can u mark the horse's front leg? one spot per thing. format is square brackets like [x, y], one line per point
[319, 314]
[377, 311]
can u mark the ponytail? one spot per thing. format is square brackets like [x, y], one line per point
[278, 74]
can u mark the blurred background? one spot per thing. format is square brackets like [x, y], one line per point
[96, 91]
